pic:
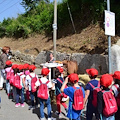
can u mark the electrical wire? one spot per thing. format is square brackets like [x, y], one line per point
[8, 7]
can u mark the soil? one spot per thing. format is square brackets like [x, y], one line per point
[90, 40]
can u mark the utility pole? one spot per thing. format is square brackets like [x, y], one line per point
[55, 28]
[109, 42]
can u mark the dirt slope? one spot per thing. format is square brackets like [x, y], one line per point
[91, 40]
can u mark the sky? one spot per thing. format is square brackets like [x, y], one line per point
[11, 8]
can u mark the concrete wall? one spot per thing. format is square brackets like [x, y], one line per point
[84, 61]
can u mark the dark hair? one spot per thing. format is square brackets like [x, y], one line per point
[31, 70]
[8, 66]
[21, 70]
[15, 70]
[92, 77]
[57, 73]
[48, 56]
[117, 81]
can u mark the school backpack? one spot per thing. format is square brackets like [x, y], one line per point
[43, 90]
[110, 105]
[8, 74]
[12, 78]
[63, 94]
[78, 103]
[33, 81]
[118, 96]
[95, 91]
[17, 83]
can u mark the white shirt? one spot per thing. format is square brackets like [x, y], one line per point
[28, 80]
[115, 90]
[21, 78]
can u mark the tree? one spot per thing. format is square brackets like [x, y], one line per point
[31, 4]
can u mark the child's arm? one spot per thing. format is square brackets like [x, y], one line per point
[53, 84]
[64, 84]
[87, 92]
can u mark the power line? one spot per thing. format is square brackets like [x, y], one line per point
[9, 7]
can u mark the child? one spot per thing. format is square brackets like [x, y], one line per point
[73, 79]
[89, 93]
[44, 80]
[20, 92]
[58, 83]
[29, 87]
[116, 91]
[104, 99]
[27, 72]
[8, 70]
[15, 70]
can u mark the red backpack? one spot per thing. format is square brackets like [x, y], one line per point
[118, 96]
[110, 105]
[63, 94]
[78, 103]
[33, 81]
[8, 75]
[43, 90]
[95, 91]
[12, 78]
[17, 83]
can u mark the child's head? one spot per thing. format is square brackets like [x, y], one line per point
[58, 71]
[26, 66]
[15, 69]
[8, 63]
[73, 78]
[20, 68]
[32, 68]
[116, 77]
[92, 73]
[106, 80]
[45, 71]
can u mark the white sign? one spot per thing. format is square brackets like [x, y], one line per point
[109, 23]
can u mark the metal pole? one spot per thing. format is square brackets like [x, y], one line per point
[109, 42]
[71, 17]
[55, 28]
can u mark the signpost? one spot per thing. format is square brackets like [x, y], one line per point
[109, 30]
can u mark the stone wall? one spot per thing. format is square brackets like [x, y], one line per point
[84, 61]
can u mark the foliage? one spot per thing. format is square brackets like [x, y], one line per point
[39, 16]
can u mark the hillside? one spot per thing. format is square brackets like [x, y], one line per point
[90, 40]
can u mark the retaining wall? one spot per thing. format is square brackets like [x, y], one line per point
[84, 61]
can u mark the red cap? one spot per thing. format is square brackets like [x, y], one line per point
[92, 71]
[20, 67]
[106, 80]
[8, 62]
[14, 66]
[60, 69]
[32, 67]
[45, 71]
[116, 75]
[72, 77]
[26, 66]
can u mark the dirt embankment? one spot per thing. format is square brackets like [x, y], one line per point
[90, 40]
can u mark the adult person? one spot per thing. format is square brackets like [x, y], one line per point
[3, 59]
[50, 58]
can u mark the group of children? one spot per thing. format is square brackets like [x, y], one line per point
[102, 97]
